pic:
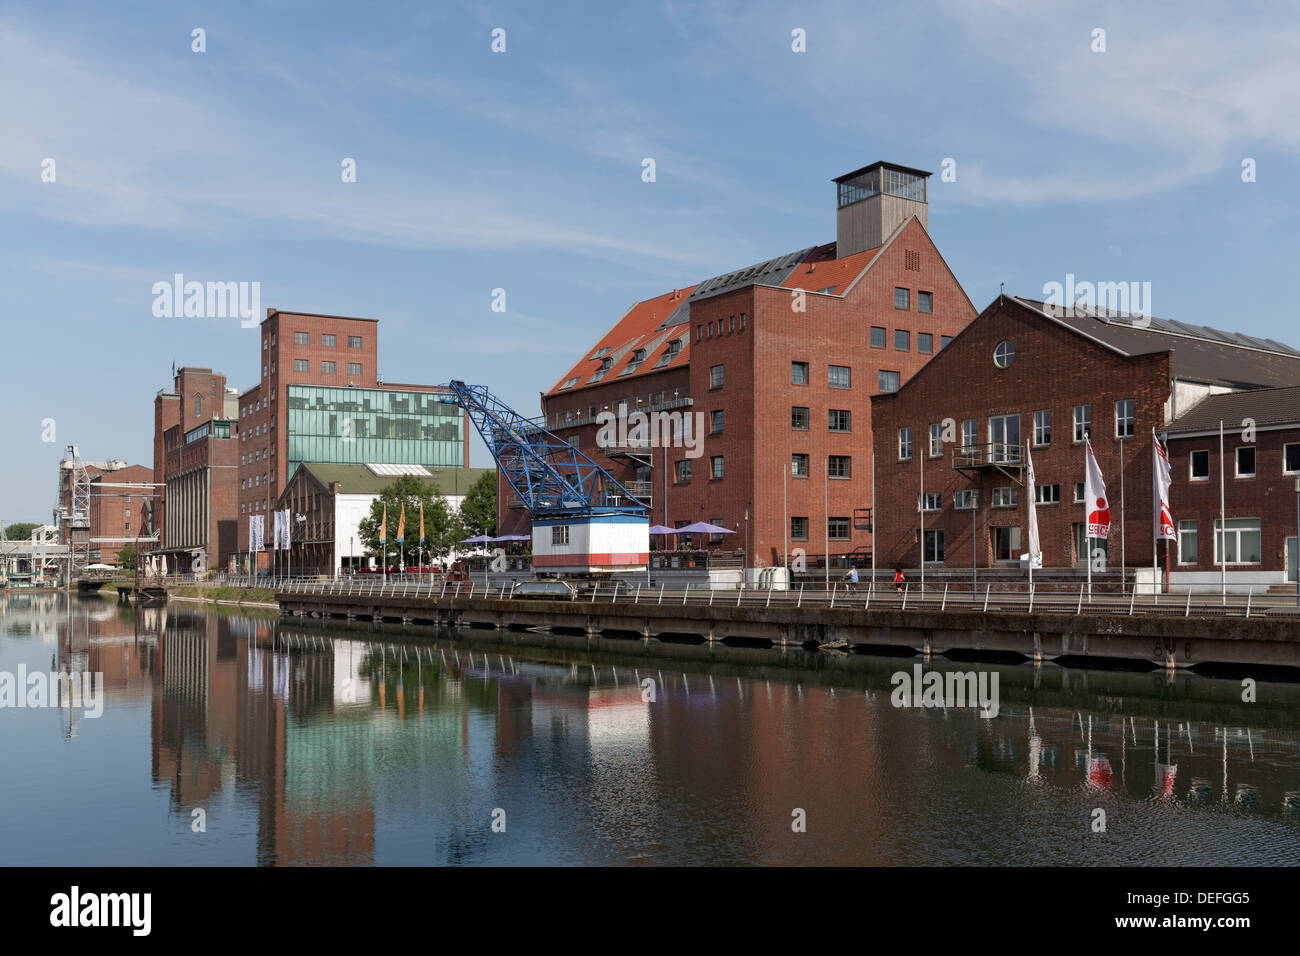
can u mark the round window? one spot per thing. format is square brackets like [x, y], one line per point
[1003, 354]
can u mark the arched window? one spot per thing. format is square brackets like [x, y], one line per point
[198, 404]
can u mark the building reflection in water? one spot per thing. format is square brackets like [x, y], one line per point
[355, 751]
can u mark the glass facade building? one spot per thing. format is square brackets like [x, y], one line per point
[362, 425]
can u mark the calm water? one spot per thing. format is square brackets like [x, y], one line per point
[315, 745]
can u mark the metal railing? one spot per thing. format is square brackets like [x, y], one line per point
[860, 598]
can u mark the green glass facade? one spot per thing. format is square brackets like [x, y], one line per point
[367, 426]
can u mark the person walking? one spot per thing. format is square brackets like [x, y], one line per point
[899, 580]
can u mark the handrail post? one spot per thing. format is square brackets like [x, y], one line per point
[1249, 594]
[833, 592]
[905, 590]
[661, 593]
[987, 591]
[594, 592]
[1079, 609]
[1187, 612]
[944, 605]
[1131, 602]
[637, 598]
[801, 587]
[740, 594]
[769, 597]
[686, 593]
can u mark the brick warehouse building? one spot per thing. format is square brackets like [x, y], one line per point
[193, 463]
[778, 361]
[321, 399]
[1261, 468]
[1018, 374]
[116, 510]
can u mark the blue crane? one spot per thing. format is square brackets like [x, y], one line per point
[550, 476]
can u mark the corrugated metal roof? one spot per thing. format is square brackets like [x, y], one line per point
[1200, 353]
[1265, 406]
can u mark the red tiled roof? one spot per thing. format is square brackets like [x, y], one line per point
[834, 275]
[641, 326]
[638, 329]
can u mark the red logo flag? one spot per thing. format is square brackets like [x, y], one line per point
[1095, 500]
[1164, 518]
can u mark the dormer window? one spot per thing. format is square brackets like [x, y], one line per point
[674, 346]
[638, 355]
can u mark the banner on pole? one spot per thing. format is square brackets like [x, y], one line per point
[1164, 518]
[1035, 555]
[1096, 504]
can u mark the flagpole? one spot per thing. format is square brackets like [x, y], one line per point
[1029, 503]
[872, 587]
[1087, 527]
[1155, 517]
[1123, 556]
[1221, 539]
[921, 452]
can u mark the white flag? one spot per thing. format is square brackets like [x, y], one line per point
[1035, 549]
[287, 527]
[1096, 504]
[1164, 518]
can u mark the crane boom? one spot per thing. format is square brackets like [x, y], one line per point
[584, 520]
[549, 475]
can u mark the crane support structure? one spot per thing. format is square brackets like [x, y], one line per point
[584, 520]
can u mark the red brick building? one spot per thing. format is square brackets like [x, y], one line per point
[1023, 375]
[321, 399]
[198, 395]
[1260, 477]
[777, 363]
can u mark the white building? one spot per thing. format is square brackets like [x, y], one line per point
[332, 501]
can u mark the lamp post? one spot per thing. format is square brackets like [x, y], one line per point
[300, 519]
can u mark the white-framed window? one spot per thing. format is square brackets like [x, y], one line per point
[1186, 542]
[1291, 459]
[1004, 438]
[1199, 465]
[684, 471]
[1082, 422]
[934, 547]
[1245, 461]
[302, 338]
[840, 420]
[905, 443]
[1007, 496]
[1004, 354]
[887, 380]
[839, 376]
[936, 441]
[1238, 540]
[969, 434]
[837, 529]
[1047, 494]
[965, 500]
[1079, 491]
[840, 466]
[716, 466]
[1043, 426]
[559, 534]
[932, 501]
[1124, 420]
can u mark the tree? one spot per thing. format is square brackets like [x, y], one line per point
[479, 509]
[126, 557]
[22, 531]
[442, 526]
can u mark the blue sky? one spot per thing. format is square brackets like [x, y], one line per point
[522, 170]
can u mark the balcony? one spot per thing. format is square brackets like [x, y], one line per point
[995, 456]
